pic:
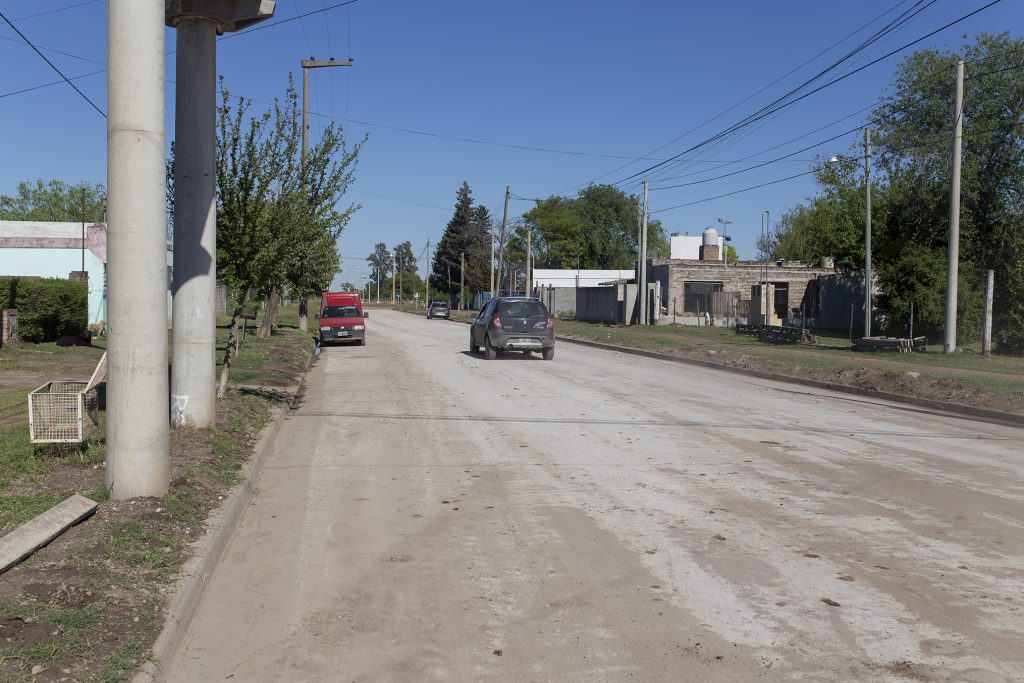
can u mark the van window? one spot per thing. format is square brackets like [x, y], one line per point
[340, 312]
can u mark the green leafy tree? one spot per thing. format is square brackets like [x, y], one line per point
[915, 130]
[731, 253]
[380, 262]
[597, 229]
[54, 200]
[277, 219]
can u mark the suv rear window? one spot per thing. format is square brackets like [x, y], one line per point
[522, 309]
[340, 312]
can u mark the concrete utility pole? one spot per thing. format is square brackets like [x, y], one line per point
[426, 281]
[83, 235]
[138, 460]
[308, 64]
[462, 281]
[529, 263]
[986, 329]
[504, 220]
[643, 261]
[194, 324]
[501, 246]
[867, 233]
[953, 250]
[394, 273]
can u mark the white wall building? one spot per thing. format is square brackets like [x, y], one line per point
[688, 246]
[550, 277]
[55, 250]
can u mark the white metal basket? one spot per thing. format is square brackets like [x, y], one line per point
[66, 411]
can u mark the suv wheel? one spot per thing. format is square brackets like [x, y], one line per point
[490, 353]
[473, 348]
[548, 353]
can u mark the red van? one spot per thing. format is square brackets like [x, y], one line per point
[342, 318]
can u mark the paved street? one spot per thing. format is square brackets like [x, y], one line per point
[429, 515]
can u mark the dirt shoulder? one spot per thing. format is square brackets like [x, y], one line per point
[970, 379]
[89, 606]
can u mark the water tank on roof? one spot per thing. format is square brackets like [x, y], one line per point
[710, 238]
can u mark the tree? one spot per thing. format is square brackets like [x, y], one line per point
[277, 220]
[380, 262]
[54, 200]
[910, 194]
[596, 229]
[731, 253]
[405, 262]
[467, 234]
[914, 127]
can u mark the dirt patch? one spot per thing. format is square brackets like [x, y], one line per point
[90, 604]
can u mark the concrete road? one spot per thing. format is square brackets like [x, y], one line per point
[431, 516]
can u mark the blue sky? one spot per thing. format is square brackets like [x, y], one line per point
[602, 79]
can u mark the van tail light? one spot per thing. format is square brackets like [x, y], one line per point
[551, 323]
[496, 321]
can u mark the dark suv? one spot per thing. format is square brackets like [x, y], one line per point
[437, 309]
[513, 323]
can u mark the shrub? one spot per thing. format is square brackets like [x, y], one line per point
[48, 308]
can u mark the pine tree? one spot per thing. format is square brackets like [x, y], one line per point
[468, 232]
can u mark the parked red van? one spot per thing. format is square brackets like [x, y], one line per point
[342, 318]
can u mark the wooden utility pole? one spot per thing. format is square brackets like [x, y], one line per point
[394, 272]
[462, 281]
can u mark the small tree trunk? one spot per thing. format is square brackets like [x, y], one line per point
[232, 348]
[269, 315]
[303, 313]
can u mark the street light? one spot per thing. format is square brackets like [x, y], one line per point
[725, 229]
[867, 228]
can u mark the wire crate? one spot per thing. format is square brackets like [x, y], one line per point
[66, 411]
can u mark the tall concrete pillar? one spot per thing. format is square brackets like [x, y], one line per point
[193, 383]
[193, 367]
[137, 387]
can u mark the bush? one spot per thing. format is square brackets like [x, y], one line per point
[48, 308]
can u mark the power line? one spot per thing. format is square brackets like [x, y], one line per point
[403, 201]
[52, 65]
[47, 85]
[780, 104]
[729, 194]
[54, 11]
[783, 101]
[744, 100]
[260, 27]
[60, 52]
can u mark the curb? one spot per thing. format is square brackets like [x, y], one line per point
[984, 414]
[206, 554]
[208, 550]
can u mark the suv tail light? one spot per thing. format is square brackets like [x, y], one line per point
[496, 321]
[551, 323]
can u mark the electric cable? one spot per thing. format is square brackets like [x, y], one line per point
[744, 100]
[748, 120]
[260, 27]
[52, 65]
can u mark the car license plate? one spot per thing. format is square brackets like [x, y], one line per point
[343, 334]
